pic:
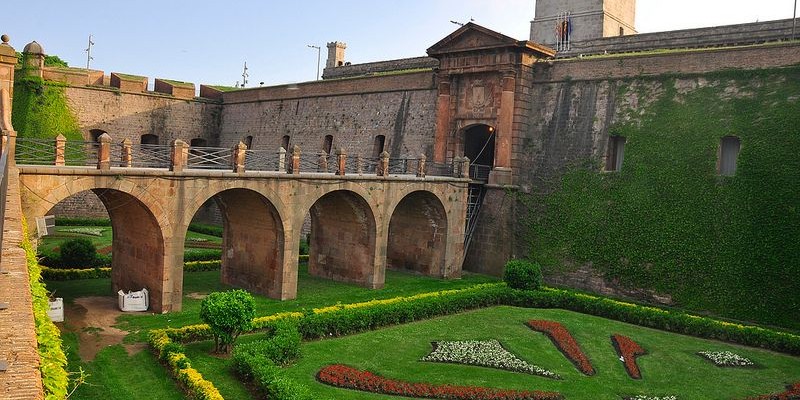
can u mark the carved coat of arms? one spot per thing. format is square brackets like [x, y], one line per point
[478, 98]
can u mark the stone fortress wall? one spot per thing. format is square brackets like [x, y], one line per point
[562, 111]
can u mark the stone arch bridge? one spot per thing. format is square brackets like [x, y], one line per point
[361, 223]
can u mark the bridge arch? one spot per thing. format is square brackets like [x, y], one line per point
[137, 245]
[343, 239]
[418, 230]
[253, 240]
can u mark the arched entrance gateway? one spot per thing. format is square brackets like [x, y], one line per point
[479, 148]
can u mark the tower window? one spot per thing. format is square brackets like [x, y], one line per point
[728, 153]
[621, 31]
[616, 153]
[248, 141]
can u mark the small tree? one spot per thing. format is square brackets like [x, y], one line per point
[228, 314]
[78, 253]
[523, 274]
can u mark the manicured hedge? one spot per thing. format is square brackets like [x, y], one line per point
[53, 361]
[259, 362]
[211, 230]
[51, 274]
[669, 320]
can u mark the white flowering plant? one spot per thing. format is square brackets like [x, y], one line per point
[84, 231]
[726, 359]
[484, 353]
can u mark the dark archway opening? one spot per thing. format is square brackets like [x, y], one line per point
[479, 148]
[342, 239]
[418, 235]
[149, 138]
[94, 135]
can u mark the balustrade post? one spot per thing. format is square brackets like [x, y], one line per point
[281, 159]
[456, 166]
[127, 153]
[179, 155]
[359, 164]
[11, 144]
[239, 158]
[322, 164]
[421, 166]
[383, 164]
[296, 160]
[465, 167]
[341, 161]
[104, 152]
[61, 143]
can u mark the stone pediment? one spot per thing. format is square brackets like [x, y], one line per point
[472, 37]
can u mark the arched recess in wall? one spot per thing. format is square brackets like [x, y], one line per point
[418, 235]
[248, 141]
[94, 135]
[327, 144]
[149, 138]
[342, 238]
[479, 148]
[378, 146]
[198, 142]
[251, 243]
[137, 245]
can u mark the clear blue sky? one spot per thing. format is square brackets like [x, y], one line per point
[208, 41]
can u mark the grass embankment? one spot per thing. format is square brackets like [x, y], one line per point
[103, 241]
[671, 366]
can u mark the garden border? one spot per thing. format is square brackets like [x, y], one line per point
[338, 320]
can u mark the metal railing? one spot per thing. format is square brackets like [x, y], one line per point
[210, 158]
[478, 172]
[35, 151]
[179, 156]
[148, 155]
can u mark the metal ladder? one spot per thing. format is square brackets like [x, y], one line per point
[474, 201]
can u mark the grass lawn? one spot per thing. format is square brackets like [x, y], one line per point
[311, 292]
[48, 243]
[671, 366]
[115, 375]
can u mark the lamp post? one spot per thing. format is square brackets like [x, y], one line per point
[319, 50]
[794, 19]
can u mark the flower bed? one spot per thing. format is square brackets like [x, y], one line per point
[84, 231]
[350, 378]
[792, 392]
[643, 397]
[628, 350]
[565, 343]
[726, 359]
[483, 353]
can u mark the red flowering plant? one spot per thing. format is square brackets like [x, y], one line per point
[351, 378]
[565, 343]
[792, 392]
[628, 350]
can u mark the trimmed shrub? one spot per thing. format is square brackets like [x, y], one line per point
[212, 230]
[202, 255]
[523, 275]
[228, 314]
[78, 252]
[69, 221]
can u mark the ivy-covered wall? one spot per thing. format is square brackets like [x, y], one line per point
[40, 110]
[667, 221]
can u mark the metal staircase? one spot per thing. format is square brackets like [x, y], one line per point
[474, 201]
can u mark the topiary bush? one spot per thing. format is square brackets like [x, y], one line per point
[523, 275]
[78, 252]
[228, 314]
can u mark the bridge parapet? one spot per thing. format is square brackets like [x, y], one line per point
[178, 156]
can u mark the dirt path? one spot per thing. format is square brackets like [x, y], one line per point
[92, 319]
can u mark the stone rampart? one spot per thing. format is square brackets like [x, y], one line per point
[728, 35]
[379, 67]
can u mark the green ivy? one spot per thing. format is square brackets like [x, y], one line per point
[41, 110]
[667, 221]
